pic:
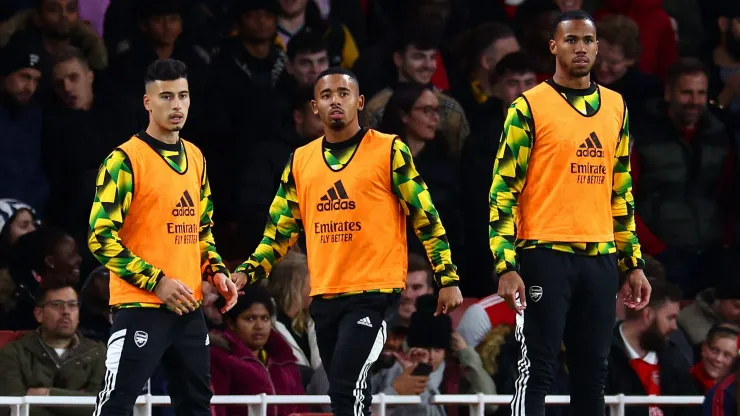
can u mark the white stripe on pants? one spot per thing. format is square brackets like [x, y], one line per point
[520, 385]
[112, 361]
[361, 383]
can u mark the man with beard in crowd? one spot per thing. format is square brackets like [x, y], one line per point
[640, 347]
[683, 171]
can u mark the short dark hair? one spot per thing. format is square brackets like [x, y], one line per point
[663, 292]
[514, 63]
[419, 34]
[336, 70]
[721, 331]
[685, 66]
[571, 15]
[301, 96]
[51, 285]
[166, 70]
[419, 263]
[252, 294]
[472, 45]
[622, 31]
[68, 52]
[306, 41]
[31, 250]
[144, 9]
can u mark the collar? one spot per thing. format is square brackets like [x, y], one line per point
[159, 145]
[650, 358]
[352, 141]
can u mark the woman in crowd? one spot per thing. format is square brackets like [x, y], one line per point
[288, 285]
[412, 113]
[16, 219]
[250, 357]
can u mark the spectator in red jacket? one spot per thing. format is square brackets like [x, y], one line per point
[250, 357]
[718, 354]
[658, 39]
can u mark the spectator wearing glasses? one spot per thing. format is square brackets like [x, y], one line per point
[413, 113]
[54, 360]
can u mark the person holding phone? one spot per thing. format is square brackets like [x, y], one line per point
[433, 364]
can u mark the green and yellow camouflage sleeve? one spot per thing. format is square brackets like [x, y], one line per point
[623, 204]
[210, 260]
[283, 228]
[113, 194]
[509, 176]
[418, 206]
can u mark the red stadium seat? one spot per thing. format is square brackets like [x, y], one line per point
[10, 336]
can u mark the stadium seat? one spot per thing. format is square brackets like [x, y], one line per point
[457, 314]
[10, 336]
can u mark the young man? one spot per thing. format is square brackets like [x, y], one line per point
[561, 200]
[349, 192]
[151, 227]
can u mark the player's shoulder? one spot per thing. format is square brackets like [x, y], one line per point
[191, 147]
[606, 90]
[608, 93]
[379, 135]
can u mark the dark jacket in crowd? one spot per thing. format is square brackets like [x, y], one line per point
[441, 175]
[675, 379]
[680, 182]
[260, 178]
[30, 363]
[21, 175]
[476, 175]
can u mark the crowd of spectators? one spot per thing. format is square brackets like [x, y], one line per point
[440, 74]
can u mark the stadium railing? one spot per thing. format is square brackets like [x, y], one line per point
[258, 404]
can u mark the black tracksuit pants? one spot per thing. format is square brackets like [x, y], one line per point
[571, 299]
[351, 332]
[140, 340]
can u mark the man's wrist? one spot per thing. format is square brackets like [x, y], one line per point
[157, 278]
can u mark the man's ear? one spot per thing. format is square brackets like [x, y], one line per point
[553, 47]
[314, 107]
[49, 261]
[38, 314]
[360, 102]
[147, 103]
[647, 315]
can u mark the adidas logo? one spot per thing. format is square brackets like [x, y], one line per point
[591, 147]
[336, 199]
[184, 208]
[365, 321]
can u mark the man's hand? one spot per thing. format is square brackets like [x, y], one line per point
[175, 295]
[509, 285]
[227, 289]
[37, 391]
[406, 384]
[449, 299]
[636, 290]
[239, 279]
